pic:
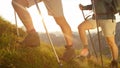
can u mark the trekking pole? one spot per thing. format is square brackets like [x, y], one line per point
[100, 48]
[90, 37]
[16, 24]
[48, 34]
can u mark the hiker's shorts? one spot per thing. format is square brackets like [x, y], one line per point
[108, 26]
[54, 7]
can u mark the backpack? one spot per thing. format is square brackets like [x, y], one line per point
[115, 4]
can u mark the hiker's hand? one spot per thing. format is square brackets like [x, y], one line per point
[81, 6]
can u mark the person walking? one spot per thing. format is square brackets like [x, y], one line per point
[106, 20]
[54, 8]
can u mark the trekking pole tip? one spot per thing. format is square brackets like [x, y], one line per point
[60, 64]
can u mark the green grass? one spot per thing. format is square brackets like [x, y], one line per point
[13, 55]
[43, 57]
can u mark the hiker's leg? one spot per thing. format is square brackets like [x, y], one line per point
[86, 25]
[55, 9]
[32, 38]
[20, 8]
[65, 29]
[114, 51]
[113, 47]
[108, 28]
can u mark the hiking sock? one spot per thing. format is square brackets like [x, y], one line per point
[68, 46]
[85, 46]
[31, 31]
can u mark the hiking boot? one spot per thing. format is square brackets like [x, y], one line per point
[31, 40]
[69, 54]
[114, 64]
[83, 54]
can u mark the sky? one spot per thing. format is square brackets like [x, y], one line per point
[71, 9]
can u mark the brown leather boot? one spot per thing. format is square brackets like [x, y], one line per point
[114, 64]
[69, 54]
[31, 40]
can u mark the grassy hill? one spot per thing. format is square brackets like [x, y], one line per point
[13, 55]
